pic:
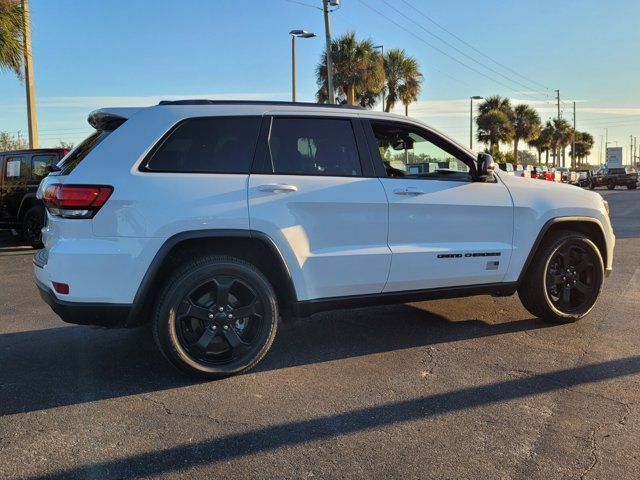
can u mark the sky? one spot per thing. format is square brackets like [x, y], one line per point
[94, 54]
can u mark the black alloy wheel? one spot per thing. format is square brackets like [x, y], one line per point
[564, 281]
[571, 278]
[219, 320]
[216, 316]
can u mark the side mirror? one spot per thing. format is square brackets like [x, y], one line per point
[486, 166]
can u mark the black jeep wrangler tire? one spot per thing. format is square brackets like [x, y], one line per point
[32, 225]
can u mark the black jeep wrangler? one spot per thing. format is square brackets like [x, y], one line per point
[20, 175]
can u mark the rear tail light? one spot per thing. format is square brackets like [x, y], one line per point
[75, 201]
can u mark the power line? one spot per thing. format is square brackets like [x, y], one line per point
[303, 4]
[474, 48]
[442, 51]
[506, 77]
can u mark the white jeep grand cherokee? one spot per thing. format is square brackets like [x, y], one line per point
[211, 219]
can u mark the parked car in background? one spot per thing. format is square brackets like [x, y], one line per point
[612, 178]
[523, 171]
[583, 178]
[565, 174]
[507, 167]
[20, 174]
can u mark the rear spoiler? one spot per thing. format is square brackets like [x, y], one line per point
[110, 118]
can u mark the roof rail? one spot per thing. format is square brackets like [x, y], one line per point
[256, 102]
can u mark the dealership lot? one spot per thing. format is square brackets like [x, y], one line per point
[463, 388]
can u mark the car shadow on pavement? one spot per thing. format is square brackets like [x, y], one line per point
[43, 369]
[182, 458]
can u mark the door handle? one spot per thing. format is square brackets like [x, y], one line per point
[408, 191]
[278, 188]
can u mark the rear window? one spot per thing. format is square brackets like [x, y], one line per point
[207, 145]
[71, 161]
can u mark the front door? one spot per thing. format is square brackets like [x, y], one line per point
[444, 228]
[314, 199]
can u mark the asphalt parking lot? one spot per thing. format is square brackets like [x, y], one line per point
[463, 388]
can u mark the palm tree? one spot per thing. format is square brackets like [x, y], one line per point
[543, 142]
[526, 126]
[402, 79]
[357, 71]
[495, 102]
[11, 37]
[584, 143]
[562, 133]
[495, 122]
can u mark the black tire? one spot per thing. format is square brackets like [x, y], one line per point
[632, 186]
[199, 339]
[611, 186]
[32, 225]
[591, 186]
[582, 267]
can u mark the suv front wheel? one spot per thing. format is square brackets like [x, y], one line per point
[217, 316]
[563, 283]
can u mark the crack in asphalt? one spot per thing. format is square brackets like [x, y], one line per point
[169, 411]
[429, 363]
[594, 454]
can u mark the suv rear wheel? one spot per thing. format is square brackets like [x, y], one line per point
[563, 283]
[32, 225]
[216, 317]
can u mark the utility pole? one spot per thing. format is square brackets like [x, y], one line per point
[573, 140]
[381, 47]
[471, 99]
[28, 78]
[327, 31]
[558, 102]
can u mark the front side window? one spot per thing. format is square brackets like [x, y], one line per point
[407, 152]
[39, 165]
[208, 145]
[314, 146]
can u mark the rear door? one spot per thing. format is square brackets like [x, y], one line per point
[444, 228]
[314, 193]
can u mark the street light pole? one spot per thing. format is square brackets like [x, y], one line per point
[381, 47]
[295, 34]
[327, 33]
[471, 99]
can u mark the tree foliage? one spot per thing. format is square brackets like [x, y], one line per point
[526, 126]
[11, 37]
[361, 74]
[358, 74]
[12, 142]
[402, 79]
[495, 122]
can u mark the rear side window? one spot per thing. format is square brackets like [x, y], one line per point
[208, 145]
[71, 161]
[314, 146]
[16, 168]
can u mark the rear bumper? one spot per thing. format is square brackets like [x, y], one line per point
[102, 314]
